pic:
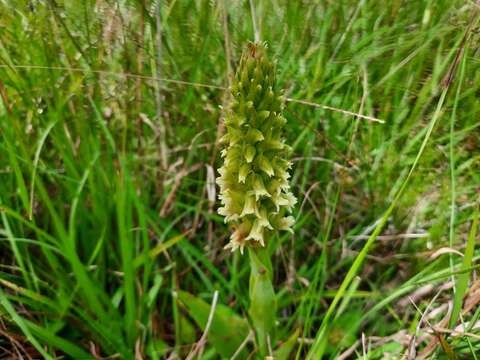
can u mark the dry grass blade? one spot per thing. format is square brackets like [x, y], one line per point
[200, 345]
[331, 108]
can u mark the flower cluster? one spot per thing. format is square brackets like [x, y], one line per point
[254, 188]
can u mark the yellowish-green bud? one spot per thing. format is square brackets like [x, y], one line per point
[254, 188]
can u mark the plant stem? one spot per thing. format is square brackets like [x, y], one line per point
[262, 297]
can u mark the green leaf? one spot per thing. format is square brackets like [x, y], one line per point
[227, 330]
[461, 285]
[285, 349]
[156, 349]
[60, 343]
[262, 297]
[187, 331]
[153, 253]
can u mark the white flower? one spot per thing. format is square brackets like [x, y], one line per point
[256, 233]
[250, 206]
[286, 223]
[237, 239]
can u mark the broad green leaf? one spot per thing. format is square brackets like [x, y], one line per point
[227, 330]
[187, 331]
[285, 349]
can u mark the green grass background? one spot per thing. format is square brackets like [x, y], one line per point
[107, 201]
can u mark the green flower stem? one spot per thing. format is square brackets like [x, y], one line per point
[263, 304]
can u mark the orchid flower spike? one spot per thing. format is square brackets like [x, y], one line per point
[254, 187]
